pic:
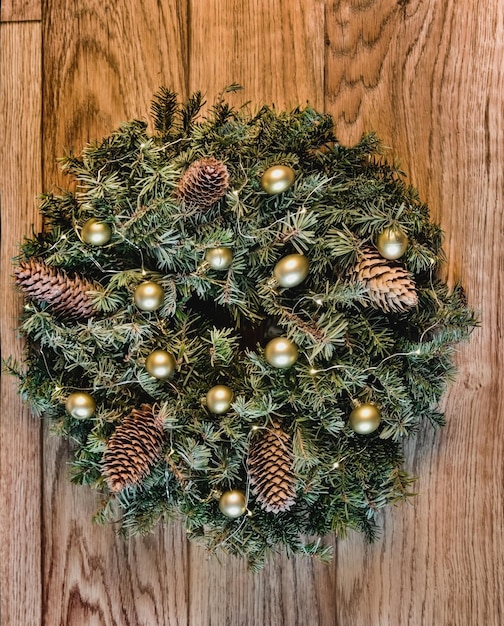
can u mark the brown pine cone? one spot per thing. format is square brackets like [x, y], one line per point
[270, 470]
[133, 448]
[203, 183]
[390, 287]
[68, 295]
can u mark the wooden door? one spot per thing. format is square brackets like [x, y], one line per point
[428, 77]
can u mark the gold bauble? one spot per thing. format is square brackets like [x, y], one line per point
[80, 405]
[291, 270]
[365, 419]
[391, 243]
[277, 179]
[281, 352]
[219, 258]
[233, 503]
[219, 398]
[160, 364]
[96, 233]
[149, 296]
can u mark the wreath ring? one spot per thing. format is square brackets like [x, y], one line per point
[236, 321]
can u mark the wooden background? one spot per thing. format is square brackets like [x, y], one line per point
[427, 75]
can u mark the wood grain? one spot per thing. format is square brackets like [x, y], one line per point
[286, 592]
[274, 49]
[20, 10]
[20, 179]
[428, 77]
[94, 577]
[105, 61]
[438, 83]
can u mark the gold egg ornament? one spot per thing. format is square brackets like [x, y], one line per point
[96, 233]
[277, 179]
[291, 270]
[281, 352]
[365, 419]
[392, 243]
[149, 296]
[233, 503]
[219, 258]
[219, 399]
[160, 364]
[80, 405]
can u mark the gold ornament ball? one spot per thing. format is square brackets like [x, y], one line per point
[281, 352]
[149, 296]
[233, 503]
[291, 270]
[219, 398]
[365, 419]
[219, 258]
[96, 233]
[392, 243]
[80, 405]
[160, 364]
[277, 179]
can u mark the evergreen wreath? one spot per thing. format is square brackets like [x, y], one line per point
[236, 321]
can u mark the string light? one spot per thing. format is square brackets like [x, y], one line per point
[416, 352]
[337, 464]
[62, 237]
[327, 369]
[323, 183]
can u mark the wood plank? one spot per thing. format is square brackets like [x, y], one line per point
[428, 78]
[102, 69]
[20, 179]
[94, 577]
[285, 592]
[275, 50]
[20, 10]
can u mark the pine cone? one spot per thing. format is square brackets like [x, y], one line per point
[203, 183]
[65, 294]
[133, 448]
[270, 470]
[390, 287]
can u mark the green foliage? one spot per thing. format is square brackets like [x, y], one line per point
[216, 323]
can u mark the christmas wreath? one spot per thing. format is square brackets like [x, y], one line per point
[236, 321]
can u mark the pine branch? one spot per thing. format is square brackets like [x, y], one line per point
[163, 109]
